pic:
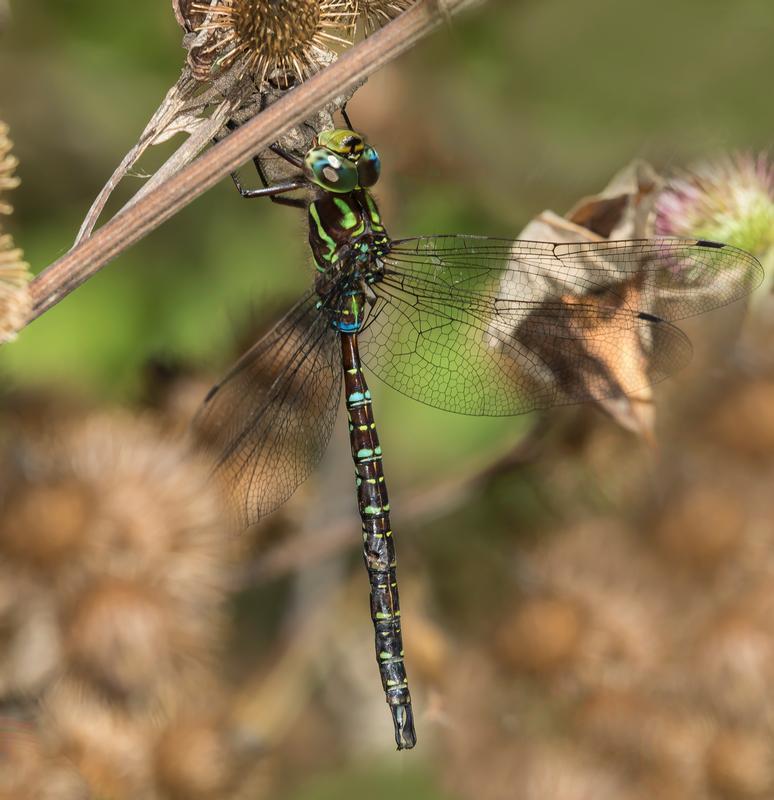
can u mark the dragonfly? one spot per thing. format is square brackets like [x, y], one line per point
[469, 324]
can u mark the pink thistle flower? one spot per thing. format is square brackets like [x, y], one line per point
[730, 199]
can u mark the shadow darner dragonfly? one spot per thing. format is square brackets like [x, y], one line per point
[468, 324]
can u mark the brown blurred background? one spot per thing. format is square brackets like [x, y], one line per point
[590, 619]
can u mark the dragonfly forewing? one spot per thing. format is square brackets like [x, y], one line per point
[496, 327]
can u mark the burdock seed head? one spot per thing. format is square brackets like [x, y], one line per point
[283, 40]
[377, 13]
[14, 291]
[14, 274]
[8, 164]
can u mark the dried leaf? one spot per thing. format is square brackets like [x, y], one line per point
[624, 209]
[608, 362]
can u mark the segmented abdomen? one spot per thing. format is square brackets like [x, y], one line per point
[378, 543]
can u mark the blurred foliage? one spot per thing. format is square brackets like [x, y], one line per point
[375, 783]
[522, 105]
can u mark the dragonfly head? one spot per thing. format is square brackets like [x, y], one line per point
[341, 161]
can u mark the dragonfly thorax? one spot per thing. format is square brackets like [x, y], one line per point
[346, 233]
[348, 243]
[347, 236]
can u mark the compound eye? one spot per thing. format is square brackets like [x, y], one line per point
[330, 171]
[369, 167]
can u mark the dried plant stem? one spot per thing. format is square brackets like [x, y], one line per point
[417, 508]
[136, 221]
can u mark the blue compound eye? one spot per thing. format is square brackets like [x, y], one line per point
[369, 166]
[330, 171]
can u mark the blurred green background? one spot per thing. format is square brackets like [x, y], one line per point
[517, 107]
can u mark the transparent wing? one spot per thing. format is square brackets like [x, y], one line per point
[496, 327]
[270, 419]
[677, 278]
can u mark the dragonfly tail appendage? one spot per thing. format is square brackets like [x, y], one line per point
[378, 543]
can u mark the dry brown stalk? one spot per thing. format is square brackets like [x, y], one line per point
[130, 225]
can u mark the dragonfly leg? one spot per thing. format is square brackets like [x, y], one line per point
[272, 192]
[293, 202]
[378, 544]
[291, 158]
[345, 116]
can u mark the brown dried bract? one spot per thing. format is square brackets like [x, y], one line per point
[284, 42]
[186, 16]
[377, 13]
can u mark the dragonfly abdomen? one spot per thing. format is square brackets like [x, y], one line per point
[378, 543]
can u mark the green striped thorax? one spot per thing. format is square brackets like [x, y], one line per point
[346, 233]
